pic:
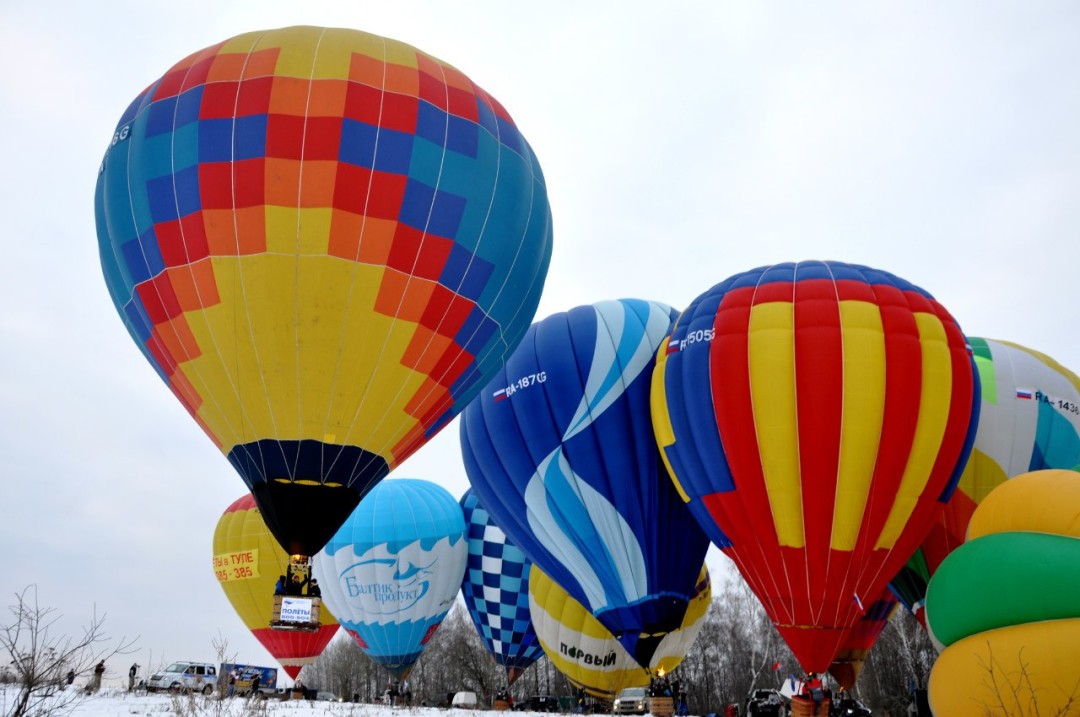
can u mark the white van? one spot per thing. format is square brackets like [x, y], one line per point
[184, 677]
[465, 700]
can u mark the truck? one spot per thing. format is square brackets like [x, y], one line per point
[245, 675]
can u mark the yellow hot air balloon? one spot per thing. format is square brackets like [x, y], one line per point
[587, 653]
[247, 563]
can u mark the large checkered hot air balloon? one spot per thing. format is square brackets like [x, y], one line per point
[324, 242]
[496, 591]
[816, 417]
[560, 451]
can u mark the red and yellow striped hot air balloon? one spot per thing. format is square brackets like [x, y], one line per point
[248, 562]
[816, 417]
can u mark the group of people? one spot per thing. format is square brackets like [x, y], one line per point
[503, 695]
[295, 585]
[234, 677]
[663, 686]
[398, 693]
[94, 685]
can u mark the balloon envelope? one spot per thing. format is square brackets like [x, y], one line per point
[247, 563]
[324, 242]
[587, 653]
[496, 591]
[1005, 604]
[559, 450]
[392, 571]
[848, 663]
[817, 416]
[1029, 420]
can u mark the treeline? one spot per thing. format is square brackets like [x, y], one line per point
[734, 654]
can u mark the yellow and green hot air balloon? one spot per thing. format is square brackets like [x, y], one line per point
[1006, 604]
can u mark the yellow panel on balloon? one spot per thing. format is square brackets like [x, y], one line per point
[586, 651]
[312, 389]
[1010, 671]
[1046, 501]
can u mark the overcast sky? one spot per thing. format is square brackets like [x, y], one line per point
[681, 143]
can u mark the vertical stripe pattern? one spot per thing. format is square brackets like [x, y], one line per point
[817, 428]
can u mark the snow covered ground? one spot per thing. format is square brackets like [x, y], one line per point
[116, 702]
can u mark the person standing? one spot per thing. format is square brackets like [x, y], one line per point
[815, 690]
[70, 676]
[95, 681]
[131, 676]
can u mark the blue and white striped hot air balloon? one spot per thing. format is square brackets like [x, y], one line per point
[496, 591]
[393, 570]
[559, 448]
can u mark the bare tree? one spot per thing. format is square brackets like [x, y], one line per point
[898, 666]
[734, 652]
[41, 660]
[1015, 693]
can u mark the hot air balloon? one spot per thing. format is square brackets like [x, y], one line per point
[1029, 420]
[392, 571]
[559, 450]
[247, 563]
[816, 416]
[496, 591]
[848, 663]
[1005, 605]
[325, 242]
[587, 653]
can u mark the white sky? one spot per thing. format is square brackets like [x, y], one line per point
[682, 142]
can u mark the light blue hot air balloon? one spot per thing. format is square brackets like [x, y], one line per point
[496, 591]
[392, 571]
[560, 450]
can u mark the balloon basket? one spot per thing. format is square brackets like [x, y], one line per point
[804, 707]
[661, 706]
[295, 614]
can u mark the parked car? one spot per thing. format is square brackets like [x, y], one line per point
[848, 707]
[324, 696]
[538, 703]
[631, 701]
[185, 677]
[767, 703]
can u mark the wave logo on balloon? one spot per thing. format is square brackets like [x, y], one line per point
[381, 584]
[582, 530]
[615, 366]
